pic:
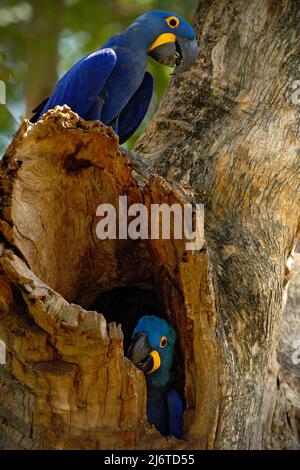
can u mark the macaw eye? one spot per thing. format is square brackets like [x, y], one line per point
[172, 22]
[163, 342]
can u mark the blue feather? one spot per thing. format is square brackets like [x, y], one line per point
[81, 86]
[157, 409]
[175, 408]
[112, 84]
[164, 404]
[136, 109]
[125, 79]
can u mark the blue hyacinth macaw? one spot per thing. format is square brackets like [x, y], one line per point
[112, 83]
[152, 351]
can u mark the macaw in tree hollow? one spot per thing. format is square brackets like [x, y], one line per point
[112, 84]
[152, 351]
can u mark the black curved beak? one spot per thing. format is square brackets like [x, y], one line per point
[182, 53]
[188, 50]
[164, 54]
[139, 352]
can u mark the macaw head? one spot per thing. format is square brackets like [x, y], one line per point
[152, 349]
[167, 37]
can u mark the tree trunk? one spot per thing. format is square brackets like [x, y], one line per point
[227, 132]
[235, 142]
[234, 121]
[289, 373]
[66, 383]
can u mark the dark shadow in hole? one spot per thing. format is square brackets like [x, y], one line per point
[126, 305]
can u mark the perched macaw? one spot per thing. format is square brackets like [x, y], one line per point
[112, 84]
[152, 351]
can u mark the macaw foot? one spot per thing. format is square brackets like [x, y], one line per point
[137, 164]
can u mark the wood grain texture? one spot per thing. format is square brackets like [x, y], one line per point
[227, 133]
[234, 122]
[67, 383]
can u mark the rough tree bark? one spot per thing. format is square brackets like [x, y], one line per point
[234, 144]
[66, 383]
[289, 361]
[234, 121]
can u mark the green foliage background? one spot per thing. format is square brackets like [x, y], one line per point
[73, 28]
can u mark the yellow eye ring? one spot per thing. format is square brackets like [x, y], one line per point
[163, 342]
[172, 22]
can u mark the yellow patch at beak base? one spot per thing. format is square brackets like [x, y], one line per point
[163, 39]
[156, 361]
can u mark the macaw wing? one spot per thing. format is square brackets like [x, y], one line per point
[134, 112]
[81, 86]
[175, 408]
